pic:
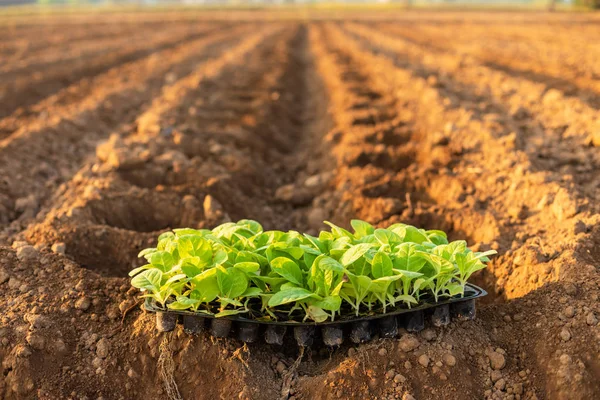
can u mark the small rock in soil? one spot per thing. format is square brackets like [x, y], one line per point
[83, 303]
[500, 384]
[14, 283]
[497, 360]
[399, 378]
[37, 321]
[591, 319]
[102, 348]
[27, 253]
[407, 396]
[280, 368]
[518, 388]
[382, 352]
[298, 196]
[408, 343]
[59, 347]
[495, 375]
[19, 243]
[565, 335]
[36, 341]
[317, 181]
[569, 312]
[565, 359]
[428, 334]
[449, 359]
[59, 248]
[564, 205]
[424, 360]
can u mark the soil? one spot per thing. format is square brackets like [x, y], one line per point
[124, 126]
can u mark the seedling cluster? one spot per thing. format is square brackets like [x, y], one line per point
[237, 268]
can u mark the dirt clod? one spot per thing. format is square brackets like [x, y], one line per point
[408, 343]
[497, 360]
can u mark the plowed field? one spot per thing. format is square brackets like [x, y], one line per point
[113, 129]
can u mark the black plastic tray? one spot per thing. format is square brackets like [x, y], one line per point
[332, 333]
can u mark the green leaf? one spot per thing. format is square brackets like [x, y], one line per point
[329, 303]
[220, 257]
[183, 303]
[251, 225]
[361, 228]
[289, 296]
[190, 231]
[149, 280]
[337, 231]
[195, 246]
[354, 253]
[252, 292]
[386, 236]
[317, 314]
[189, 266]
[175, 278]
[455, 289]
[287, 269]
[247, 266]
[329, 264]
[408, 257]
[437, 237]
[414, 235]
[408, 299]
[232, 282]
[206, 285]
[146, 252]
[162, 260]
[408, 274]
[381, 265]
[137, 270]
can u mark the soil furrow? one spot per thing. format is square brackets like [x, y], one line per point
[30, 91]
[33, 171]
[79, 53]
[553, 143]
[574, 72]
[107, 195]
[49, 39]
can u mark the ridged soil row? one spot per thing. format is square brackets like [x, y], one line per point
[75, 55]
[22, 91]
[543, 53]
[23, 43]
[156, 175]
[554, 132]
[492, 168]
[46, 152]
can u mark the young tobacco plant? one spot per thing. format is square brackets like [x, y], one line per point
[237, 268]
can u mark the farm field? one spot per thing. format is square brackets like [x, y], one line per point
[114, 128]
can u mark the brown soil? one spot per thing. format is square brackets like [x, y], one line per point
[491, 134]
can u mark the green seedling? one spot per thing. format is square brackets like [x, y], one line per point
[238, 267]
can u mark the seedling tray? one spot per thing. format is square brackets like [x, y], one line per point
[330, 333]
